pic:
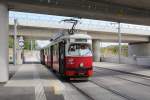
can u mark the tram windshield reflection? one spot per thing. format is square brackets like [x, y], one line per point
[79, 50]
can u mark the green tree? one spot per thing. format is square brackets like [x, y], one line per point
[27, 44]
[114, 50]
[11, 42]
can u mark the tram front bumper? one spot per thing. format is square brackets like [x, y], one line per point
[79, 72]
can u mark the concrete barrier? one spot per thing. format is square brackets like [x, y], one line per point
[129, 60]
[143, 61]
[31, 56]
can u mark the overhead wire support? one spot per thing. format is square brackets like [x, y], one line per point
[74, 22]
[71, 31]
[119, 40]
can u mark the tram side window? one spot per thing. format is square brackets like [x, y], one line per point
[44, 51]
[55, 51]
[48, 51]
[79, 50]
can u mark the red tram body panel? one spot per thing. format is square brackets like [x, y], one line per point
[73, 66]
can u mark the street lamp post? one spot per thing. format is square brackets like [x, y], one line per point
[31, 45]
[120, 41]
[15, 39]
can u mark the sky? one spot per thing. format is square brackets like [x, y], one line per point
[33, 16]
[42, 43]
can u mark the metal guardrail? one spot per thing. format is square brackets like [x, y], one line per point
[38, 20]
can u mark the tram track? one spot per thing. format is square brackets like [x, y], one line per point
[112, 91]
[101, 84]
[128, 77]
[104, 87]
[134, 81]
[82, 92]
[131, 75]
[124, 72]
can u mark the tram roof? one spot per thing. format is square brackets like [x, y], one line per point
[85, 36]
[74, 36]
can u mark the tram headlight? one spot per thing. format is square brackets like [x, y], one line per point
[81, 65]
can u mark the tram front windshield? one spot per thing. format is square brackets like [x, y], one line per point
[79, 50]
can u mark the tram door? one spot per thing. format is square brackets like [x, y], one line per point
[61, 57]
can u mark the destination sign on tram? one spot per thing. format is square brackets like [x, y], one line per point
[81, 40]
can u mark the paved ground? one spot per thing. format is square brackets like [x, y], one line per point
[31, 82]
[35, 82]
[142, 70]
[12, 70]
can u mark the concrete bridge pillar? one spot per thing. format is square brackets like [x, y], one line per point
[139, 49]
[96, 50]
[140, 52]
[4, 21]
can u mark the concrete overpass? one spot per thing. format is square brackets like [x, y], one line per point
[45, 34]
[37, 28]
[128, 11]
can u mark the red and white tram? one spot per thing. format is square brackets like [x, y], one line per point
[69, 55]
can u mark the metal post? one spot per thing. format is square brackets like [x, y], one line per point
[31, 48]
[119, 40]
[101, 51]
[15, 40]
